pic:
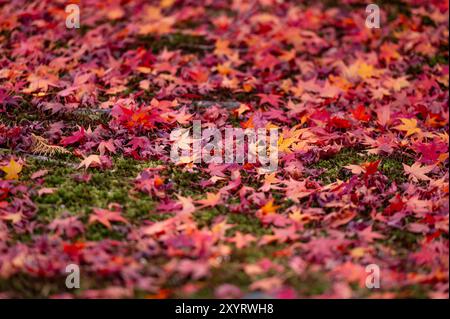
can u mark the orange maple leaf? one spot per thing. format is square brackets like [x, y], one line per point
[269, 208]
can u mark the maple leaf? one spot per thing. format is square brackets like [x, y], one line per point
[432, 152]
[269, 208]
[395, 204]
[368, 235]
[388, 52]
[397, 84]
[284, 144]
[39, 174]
[269, 181]
[89, 161]
[187, 207]
[220, 228]
[365, 70]
[271, 99]
[339, 122]
[70, 226]
[107, 146]
[384, 114]
[12, 170]
[241, 109]
[417, 172]
[46, 191]
[105, 217]
[242, 240]
[210, 200]
[248, 124]
[371, 168]
[296, 190]
[361, 114]
[74, 138]
[409, 126]
[12, 217]
[356, 169]
[182, 116]
[267, 284]
[359, 70]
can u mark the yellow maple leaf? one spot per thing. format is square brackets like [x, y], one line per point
[409, 126]
[365, 70]
[360, 70]
[296, 215]
[358, 252]
[284, 144]
[397, 84]
[12, 170]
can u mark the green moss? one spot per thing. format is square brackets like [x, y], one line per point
[253, 252]
[403, 240]
[438, 59]
[26, 112]
[333, 167]
[392, 167]
[105, 187]
[310, 283]
[414, 291]
[98, 232]
[247, 224]
[185, 183]
[244, 223]
[205, 217]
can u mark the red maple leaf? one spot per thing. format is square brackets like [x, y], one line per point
[74, 138]
[361, 114]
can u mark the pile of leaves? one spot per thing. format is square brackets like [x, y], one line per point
[85, 170]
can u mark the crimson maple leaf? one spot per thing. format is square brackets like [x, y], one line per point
[74, 138]
[371, 168]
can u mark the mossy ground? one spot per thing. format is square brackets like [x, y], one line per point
[390, 166]
[116, 185]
